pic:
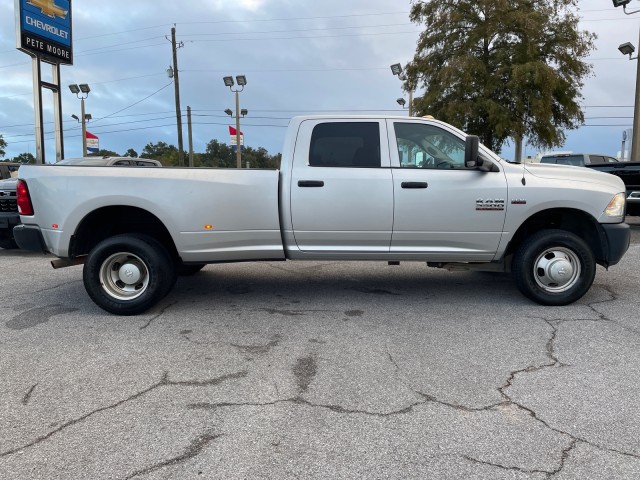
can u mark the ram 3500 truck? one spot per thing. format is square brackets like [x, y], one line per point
[349, 188]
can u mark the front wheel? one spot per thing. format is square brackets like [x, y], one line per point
[554, 267]
[128, 274]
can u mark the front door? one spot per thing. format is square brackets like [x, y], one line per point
[443, 211]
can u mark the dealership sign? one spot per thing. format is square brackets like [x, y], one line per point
[43, 29]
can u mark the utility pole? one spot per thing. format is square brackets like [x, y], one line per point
[190, 136]
[176, 84]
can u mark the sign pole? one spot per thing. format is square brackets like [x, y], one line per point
[37, 110]
[57, 112]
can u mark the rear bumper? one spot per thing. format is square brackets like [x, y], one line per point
[29, 238]
[618, 236]
[9, 220]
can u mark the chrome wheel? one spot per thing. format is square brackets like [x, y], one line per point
[553, 267]
[124, 276]
[557, 269]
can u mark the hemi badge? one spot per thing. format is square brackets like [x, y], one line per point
[518, 201]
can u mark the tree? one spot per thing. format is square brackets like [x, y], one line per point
[167, 154]
[3, 145]
[104, 153]
[25, 157]
[131, 153]
[501, 68]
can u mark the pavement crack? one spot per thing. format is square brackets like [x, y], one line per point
[340, 409]
[158, 315]
[464, 408]
[503, 467]
[193, 450]
[258, 349]
[301, 401]
[563, 458]
[27, 396]
[163, 382]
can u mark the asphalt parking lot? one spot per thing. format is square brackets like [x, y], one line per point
[320, 370]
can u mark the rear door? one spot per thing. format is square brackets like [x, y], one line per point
[341, 188]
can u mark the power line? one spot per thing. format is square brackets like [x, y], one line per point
[133, 104]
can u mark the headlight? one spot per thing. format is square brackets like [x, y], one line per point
[616, 206]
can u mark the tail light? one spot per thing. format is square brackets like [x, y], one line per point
[24, 200]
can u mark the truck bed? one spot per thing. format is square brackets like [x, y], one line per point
[212, 214]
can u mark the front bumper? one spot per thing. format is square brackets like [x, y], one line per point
[618, 238]
[29, 237]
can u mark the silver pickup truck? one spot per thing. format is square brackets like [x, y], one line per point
[349, 188]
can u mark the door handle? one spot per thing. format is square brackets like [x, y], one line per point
[310, 183]
[414, 184]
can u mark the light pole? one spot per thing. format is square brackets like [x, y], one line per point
[242, 81]
[82, 92]
[396, 69]
[628, 49]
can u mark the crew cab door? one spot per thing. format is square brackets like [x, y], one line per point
[443, 211]
[341, 187]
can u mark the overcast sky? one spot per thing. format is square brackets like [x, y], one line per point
[299, 57]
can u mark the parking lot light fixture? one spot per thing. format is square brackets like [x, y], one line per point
[82, 91]
[228, 112]
[401, 102]
[623, 4]
[396, 69]
[242, 81]
[627, 49]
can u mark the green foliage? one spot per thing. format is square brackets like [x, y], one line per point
[501, 69]
[24, 158]
[167, 154]
[104, 153]
[3, 145]
[131, 153]
[223, 156]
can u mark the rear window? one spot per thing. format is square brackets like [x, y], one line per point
[345, 144]
[575, 160]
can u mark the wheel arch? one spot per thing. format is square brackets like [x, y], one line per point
[106, 222]
[572, 220]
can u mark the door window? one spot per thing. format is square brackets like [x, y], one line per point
[428, 146]
[345, 144]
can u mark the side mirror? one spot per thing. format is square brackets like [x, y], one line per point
[471, 146]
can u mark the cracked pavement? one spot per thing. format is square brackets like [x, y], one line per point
[319, 370]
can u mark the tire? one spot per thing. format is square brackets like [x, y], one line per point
[189, 269]
[553, 267]
[151, 274]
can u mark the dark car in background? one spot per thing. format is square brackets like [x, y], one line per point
[577, 159]
[629, 172]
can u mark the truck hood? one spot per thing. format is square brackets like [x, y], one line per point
[576, 174]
